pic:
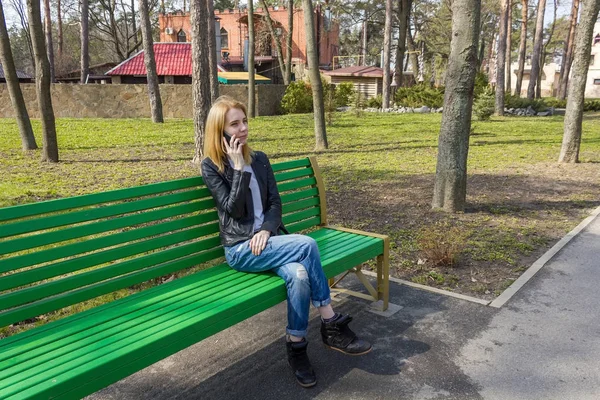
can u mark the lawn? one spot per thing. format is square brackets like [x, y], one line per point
[379, 172]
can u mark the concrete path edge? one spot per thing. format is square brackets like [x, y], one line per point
[540, 262]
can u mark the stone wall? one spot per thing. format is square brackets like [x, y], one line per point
[131, 101]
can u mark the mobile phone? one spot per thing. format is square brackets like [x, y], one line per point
[227, 137]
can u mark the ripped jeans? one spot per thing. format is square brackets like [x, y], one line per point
[295, 258]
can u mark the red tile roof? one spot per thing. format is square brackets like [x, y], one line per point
[357, 71]
[171, 59]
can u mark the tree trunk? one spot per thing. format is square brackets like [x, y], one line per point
[538, 85]
[538, 90]
[567, 58]
[287, 78]
[42, 82]
[251, 51]
[412, 48]
[537, 49]
[403, 16]
[508, 59]
[364, 39]
[451, 171]
[522, 47]
[14, 89]
[276, 39]
[133, 25]
[481, 55]
[200, 79]
[569, 152]
[213, 59]
[501, 57]
[315, 77]
[85, 41]
[150, 62]
[387, 38]
[60, 29]
[48, 31]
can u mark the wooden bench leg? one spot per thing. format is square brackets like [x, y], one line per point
[383, 278]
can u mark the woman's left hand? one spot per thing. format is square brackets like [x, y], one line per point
[259, 242]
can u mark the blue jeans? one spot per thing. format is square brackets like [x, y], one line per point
[295, 258]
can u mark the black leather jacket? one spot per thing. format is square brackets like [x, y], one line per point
[231, 191]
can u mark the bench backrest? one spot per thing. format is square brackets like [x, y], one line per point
[57, 253]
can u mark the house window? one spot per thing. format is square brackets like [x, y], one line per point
[597, 38]
[181, 36]
[596, 81]
[592, 58]
[224, 39]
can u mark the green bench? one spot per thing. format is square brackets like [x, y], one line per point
[60, 253]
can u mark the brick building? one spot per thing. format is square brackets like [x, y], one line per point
[232, 33]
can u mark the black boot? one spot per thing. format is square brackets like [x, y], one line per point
[298, 359]
[337, 335]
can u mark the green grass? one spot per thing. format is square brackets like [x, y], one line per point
[102, 154]
[378, 170]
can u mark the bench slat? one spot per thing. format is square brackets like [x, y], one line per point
[27, 295]
[295, 196]
[147, 353]
[298, 216]
[282, 166]
[55, 331]
[34, 209]
[44, 239]
[129, 324]
[297, 173]
[306, 224]
[300, 205]
[90, 292]
[104, 351]
[74, 249]
[56, 221]
[298, 184]
[113, 317]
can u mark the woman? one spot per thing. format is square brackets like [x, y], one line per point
[243, 185]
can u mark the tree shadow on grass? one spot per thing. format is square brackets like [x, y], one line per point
[374, 148]
[591, 116]
[126, 160]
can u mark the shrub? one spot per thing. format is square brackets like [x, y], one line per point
[375, 102]
[591, 105]
[440, 245]
[329, 101]
[523, 102]
[343, 94]
[481, 84]
[419, 95]
[588, 105]
[554, 102]
[297, 98]
[483, 107]
[357, 101]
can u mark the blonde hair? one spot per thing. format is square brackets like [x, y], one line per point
[213, 132]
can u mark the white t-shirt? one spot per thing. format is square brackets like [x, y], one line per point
[259, 215]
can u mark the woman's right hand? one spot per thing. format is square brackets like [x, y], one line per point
[234, 152]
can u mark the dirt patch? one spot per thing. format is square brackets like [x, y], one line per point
[512, 218]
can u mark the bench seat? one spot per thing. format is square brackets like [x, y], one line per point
[67, 254]
[77, 355]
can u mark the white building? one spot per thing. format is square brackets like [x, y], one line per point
[551, 72]
[592, 86]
